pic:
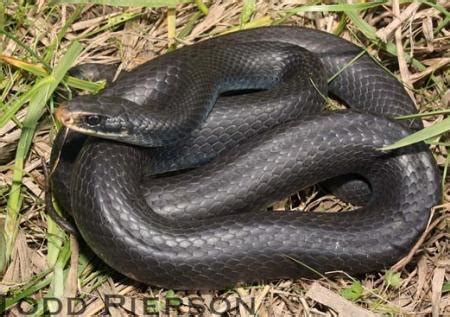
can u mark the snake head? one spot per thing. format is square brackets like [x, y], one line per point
[104, 117]
[115, 118]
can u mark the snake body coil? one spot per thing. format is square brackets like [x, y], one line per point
[206, 227]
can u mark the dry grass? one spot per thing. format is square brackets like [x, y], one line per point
[134, 35]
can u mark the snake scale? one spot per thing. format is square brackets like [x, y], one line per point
[169, 171]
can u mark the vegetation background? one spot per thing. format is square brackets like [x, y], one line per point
[41, 40]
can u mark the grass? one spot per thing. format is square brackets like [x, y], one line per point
[39, 44]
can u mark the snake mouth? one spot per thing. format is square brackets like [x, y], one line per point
[86, 123]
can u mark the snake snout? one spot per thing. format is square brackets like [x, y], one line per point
[63, 115]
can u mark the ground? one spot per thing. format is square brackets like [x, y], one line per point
[37, 260]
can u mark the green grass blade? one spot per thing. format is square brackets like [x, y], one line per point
[202, 7]
[438, 7]
[351, 62]
[35, 110]
[248, 9]
[57, 40]
[424, 114]
[38, 282]
[328, 8]
[38, 70]
[55, 239]
[12, 109]
[263, 21]
[189, 26]
[336, 7]
[8, 114]
[25, 47]
[2, 252]
[368, 30]
[57, 285]
[422, 135]
[442, 24]
[27, 292]
[341, 25]
[89, 86]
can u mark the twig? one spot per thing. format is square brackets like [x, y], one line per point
[385, 32]
[403, 66]
[62, 222]
[403, 262]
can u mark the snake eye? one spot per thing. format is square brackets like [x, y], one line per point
[93, 120]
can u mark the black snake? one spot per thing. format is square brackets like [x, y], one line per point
[204, 224]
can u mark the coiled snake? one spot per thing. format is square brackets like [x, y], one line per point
[205, 226]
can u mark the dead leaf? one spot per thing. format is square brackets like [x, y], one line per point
[342, 306]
